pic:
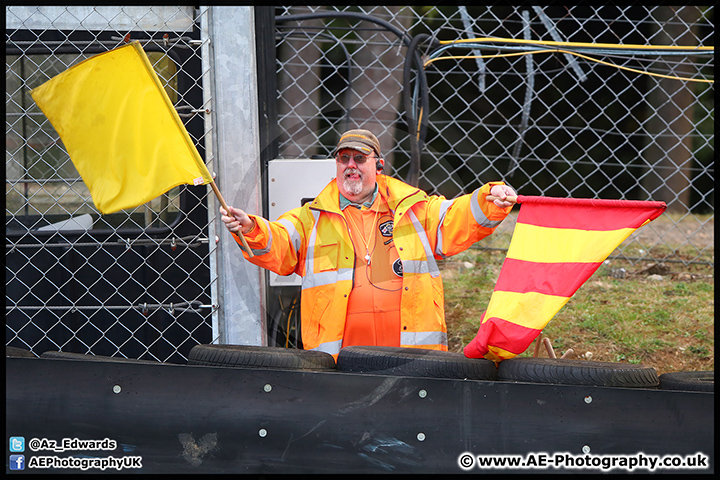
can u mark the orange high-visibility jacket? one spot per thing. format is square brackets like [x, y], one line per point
[314, 242]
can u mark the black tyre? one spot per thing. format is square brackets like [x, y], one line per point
[81, 357]
[18, 352]
[688, 381]
[260, 357]
[577, 372]
[414, 362]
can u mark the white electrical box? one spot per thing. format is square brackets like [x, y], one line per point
[290, 184]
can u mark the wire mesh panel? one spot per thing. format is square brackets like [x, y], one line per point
[131, 284]
[584, 102]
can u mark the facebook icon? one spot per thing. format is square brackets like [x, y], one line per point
[17, 462]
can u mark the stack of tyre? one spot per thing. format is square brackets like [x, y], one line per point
[432, 363]
[417, 362]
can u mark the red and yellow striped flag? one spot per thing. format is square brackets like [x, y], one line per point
[557, 245]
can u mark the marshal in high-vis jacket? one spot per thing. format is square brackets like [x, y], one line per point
[313, 241]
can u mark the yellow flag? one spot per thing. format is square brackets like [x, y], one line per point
[120, 129]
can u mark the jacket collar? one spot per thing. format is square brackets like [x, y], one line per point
[344, 202]
[398, 192]
[395, 191]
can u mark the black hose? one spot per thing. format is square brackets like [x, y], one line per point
[359, 16]
[417, 138]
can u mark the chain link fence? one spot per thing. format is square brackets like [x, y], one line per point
[607, 111]
[132, 284]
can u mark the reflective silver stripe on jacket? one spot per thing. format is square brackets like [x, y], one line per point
[312, 280]
[265, 250]
[295, 239]
[478, 214]
[333, 348]
[310, 253]
[416, 266]
[444, 205]
[421, 266]
[423, 338]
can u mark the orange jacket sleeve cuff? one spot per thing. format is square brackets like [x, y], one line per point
[492, 211]
[257, 237]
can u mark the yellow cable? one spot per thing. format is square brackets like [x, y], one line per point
[672, 77]
[495, 55]
[287, 328]
[419, 122]
[576, 44]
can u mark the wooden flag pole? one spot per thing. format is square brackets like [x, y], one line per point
[246, 247]
[538, 341]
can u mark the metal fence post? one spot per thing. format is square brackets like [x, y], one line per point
[235, 142]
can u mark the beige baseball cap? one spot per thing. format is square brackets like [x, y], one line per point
[361, 140]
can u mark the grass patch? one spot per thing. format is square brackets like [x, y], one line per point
[663, 321]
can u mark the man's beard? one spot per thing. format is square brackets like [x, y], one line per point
[354, 187]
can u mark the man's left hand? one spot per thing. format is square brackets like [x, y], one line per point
[502, 192]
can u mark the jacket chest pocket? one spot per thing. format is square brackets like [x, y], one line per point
[326, 257]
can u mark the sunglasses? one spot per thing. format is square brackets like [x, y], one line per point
[358, 157]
